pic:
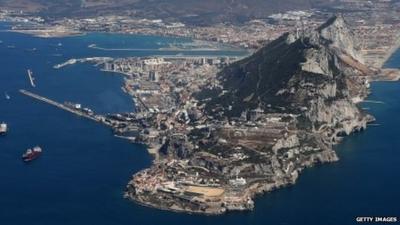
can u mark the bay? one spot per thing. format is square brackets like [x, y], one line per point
[81, 176]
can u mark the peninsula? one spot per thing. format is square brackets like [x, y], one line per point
[254, 126]
[224, 130]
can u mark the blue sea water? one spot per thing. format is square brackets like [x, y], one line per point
[81, 176]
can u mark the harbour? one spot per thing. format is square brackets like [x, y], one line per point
[119, 123]
[58, 105]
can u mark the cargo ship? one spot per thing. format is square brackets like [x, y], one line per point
[3, 128]
[32, 154]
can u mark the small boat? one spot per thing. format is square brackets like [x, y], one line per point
[31, 49]
[3, 128]
[7, 96]
[32, 154]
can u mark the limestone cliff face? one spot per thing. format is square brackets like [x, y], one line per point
[318, 74]
[336, 31]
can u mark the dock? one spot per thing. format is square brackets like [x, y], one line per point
[88, 114]
[58, 105]
[31, 79]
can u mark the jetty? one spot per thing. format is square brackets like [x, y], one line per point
[31, 79]
[83, 60]
[61, 106]
[120, 124]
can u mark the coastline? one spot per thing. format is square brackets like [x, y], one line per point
[388, 73]
[164, 49]
[61, 32]
[390, 53]
[49, 33]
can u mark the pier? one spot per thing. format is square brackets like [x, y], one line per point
[58, 105]
[88, 114]
[31, 79]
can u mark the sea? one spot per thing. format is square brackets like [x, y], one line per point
[81, 176]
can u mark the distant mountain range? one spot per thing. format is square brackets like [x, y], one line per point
[192, 11]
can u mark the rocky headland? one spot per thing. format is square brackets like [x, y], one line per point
[257, 124]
